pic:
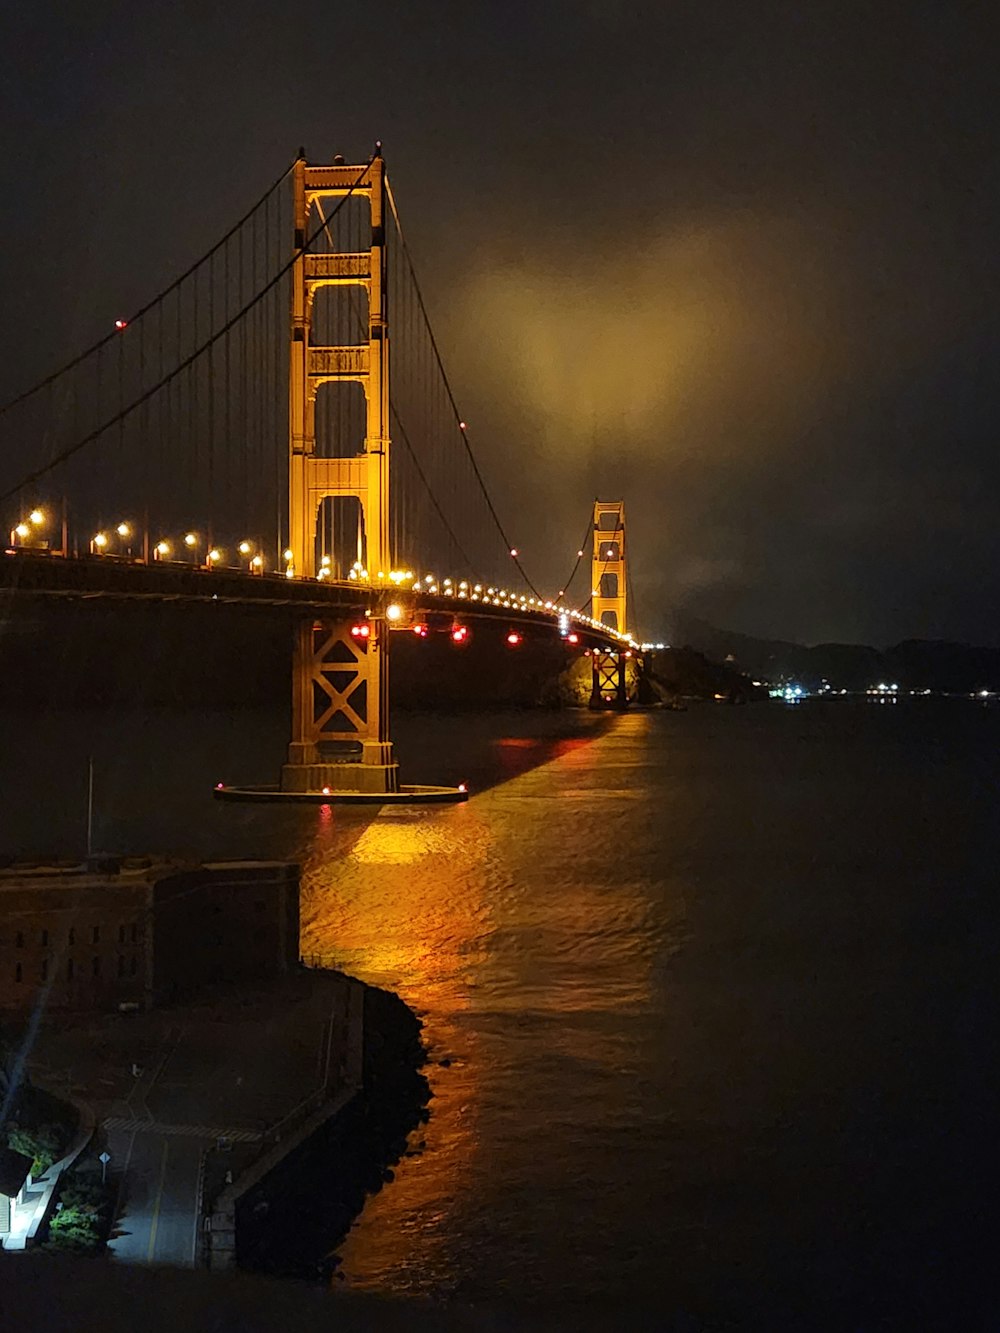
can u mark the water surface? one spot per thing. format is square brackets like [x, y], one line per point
[716, 991]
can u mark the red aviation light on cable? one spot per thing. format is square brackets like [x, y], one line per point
[360, 631]
[513, 639]
[460, 634]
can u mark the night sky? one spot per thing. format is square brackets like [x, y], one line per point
[734, 262]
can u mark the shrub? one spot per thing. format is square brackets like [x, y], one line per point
[82, 1215]
[44, 1144]
[74, 1229]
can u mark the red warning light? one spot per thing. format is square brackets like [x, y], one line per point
[572, 638]
[121, 324]
[360, 631]
[460, 634]
[513, 638]
[420, 631]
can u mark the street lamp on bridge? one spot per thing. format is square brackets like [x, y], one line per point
[26, 533]
[250, 551]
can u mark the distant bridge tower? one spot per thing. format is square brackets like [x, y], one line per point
[340, 704]
[608, 582]
[608, 602]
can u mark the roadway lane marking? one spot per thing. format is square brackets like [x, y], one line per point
[199, 1182]
[118, 1122]
[159, 1196]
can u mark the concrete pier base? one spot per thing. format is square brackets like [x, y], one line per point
[367, 778]
[405, 794]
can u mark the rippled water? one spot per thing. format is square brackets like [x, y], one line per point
[716, 990]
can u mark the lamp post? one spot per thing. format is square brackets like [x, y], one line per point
[251, 553]
[26, 532]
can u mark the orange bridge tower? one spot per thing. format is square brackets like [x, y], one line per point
[609, 586]
[340, 687]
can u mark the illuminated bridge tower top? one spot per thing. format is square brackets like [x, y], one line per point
[608, 581]
[312, 475]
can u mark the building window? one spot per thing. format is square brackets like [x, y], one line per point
[121, 964]
[72, 935]
[97, 935]
[131, 967]
[45, 938]
[69, 969]
[96, 968]
[18, 975]
[19, 939]
[45, 969]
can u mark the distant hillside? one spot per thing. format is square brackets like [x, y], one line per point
[915, 664]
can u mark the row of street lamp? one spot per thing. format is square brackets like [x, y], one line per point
[30, 533]
[187, 550]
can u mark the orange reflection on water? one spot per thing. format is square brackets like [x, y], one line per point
[505, 923]
[405, 904]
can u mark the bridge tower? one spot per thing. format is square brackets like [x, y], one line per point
[608, 601]
[608, 580]
[340, 685]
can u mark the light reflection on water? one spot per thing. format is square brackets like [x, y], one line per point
[718, 988]
[714, 988]
[507, 923]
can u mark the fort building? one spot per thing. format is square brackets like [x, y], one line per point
[133, 932]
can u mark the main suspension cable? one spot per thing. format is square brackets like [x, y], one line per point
[580, 552]
[403, 433]
[612, 538]
[430, 490]
[72, 449]
[451, 397]
[156, 300]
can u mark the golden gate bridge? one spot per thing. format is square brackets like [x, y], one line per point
[211, 448]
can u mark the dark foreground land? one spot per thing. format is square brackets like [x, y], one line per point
[197, 1103]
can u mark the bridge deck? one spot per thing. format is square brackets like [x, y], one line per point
[36, 575]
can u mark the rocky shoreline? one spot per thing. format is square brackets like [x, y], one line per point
[291, 1223]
